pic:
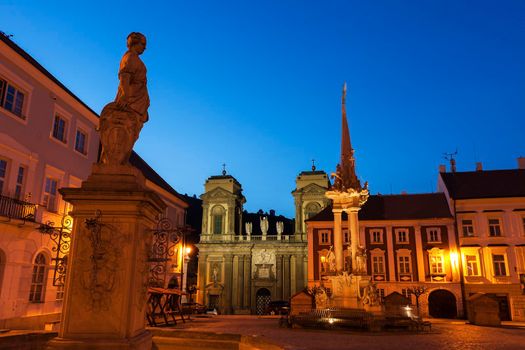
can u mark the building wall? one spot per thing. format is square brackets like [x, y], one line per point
[418, 248]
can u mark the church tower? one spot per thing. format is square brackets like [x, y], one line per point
[222, 204]
[309, 197]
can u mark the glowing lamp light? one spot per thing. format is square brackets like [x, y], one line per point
[188, 250]
[323, 259]
[454, 258]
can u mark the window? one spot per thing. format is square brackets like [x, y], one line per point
[50, 194]
[494, 228]
[376, 236]
[3, 172]
[80, 142]
[38, 279]
[434, 234]
[59, 128]
[381, 294]
[11, 98]
[402, 236]
[472, 265]
[218, 220]
[20, 182]
[346, 236]
[407, 293]
[311, 210]
[403, 263]
[378, 265]
[467, 227]
[436, 263]
[499, 265]
[324, 237]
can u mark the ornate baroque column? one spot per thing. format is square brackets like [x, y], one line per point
[338, 240]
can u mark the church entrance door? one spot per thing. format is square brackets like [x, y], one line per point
[262, 298]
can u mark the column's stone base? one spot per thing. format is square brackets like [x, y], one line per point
[142, 341]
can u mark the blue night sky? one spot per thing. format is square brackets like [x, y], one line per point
[257, 84]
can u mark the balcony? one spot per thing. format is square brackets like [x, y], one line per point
[17, 209]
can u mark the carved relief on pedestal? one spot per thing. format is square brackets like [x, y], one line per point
[101, 263]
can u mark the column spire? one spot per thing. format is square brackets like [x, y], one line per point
[345, 176]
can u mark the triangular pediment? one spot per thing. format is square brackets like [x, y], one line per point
[313, 189]
[217, 193]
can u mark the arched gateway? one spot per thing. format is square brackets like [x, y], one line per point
[442, 304]
[263, 298]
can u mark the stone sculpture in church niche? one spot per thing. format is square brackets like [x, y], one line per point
[121, 121]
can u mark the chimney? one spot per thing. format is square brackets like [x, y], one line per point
[442, 168]
[452, 165]
[521, 162]
[404, 193]
[479, 166]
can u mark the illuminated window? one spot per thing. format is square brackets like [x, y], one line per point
[20, 179]
[3, 172]
[402, 236]
[499, 265]
[378, 265]
[38, 279]
[11, 98]
[407, 293]
[467, 228]
[59, 128]
[376, 236]
[494, 228]
[50, 194]
[80, 142]
[436, 263]
[472, 265]
[434, 234]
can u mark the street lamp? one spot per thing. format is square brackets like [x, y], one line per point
[186, 259]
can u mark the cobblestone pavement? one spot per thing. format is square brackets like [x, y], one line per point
[446, 334]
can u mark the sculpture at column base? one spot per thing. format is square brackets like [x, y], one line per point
[354, 292]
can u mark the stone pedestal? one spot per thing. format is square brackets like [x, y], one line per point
[106, 287]
[347, 291]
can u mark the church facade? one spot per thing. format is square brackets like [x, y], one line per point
[247, 260]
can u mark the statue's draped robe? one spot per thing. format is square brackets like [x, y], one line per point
[138, 99]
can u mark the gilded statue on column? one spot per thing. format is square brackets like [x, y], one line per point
[122, 120]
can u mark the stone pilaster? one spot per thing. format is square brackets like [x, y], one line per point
[420, 255]
[247, 281]
[279, 277]
[390, 252]
[228, 271]
[286, 276]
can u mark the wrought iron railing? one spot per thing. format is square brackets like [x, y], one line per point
[16, 209]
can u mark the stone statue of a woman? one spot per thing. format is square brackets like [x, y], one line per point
[122, 120]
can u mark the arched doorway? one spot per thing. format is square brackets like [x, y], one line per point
[262, 299]
[442, 304]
